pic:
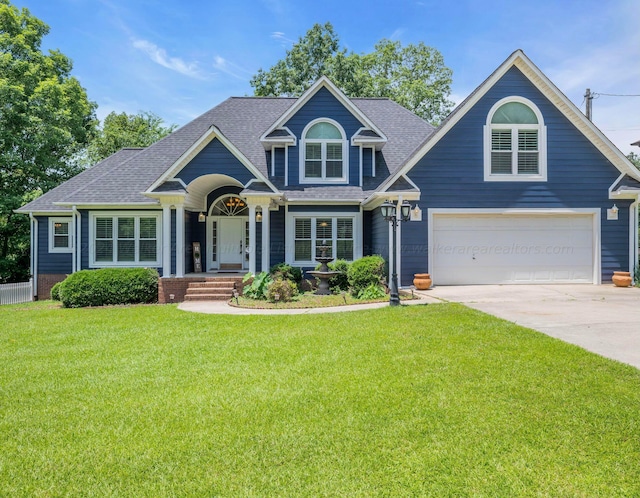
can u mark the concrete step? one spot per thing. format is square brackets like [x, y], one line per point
[207, 297]
[203, 290]
[211, 285]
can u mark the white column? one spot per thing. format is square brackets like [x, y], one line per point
[166, 241]
[265, 238]
[252, 238]
[180, 240]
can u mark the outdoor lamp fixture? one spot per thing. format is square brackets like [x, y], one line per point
[614, 210]
[389, 214]
[201, 217]
[259, 214]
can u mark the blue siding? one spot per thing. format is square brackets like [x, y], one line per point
[324, 105]
[194, 232]
[367, 162]
[84, 224]
[451, 175]
[50, 263]
[215, 158]
[277, 236]
[258, 246]
[379, 235]
[279, 162]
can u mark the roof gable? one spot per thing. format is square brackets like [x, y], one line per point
[323, 84]
[524, 65]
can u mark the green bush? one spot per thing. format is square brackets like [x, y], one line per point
[257, 289]
[109, 286]
[372, 291]
[340, 282]
[365, 272]
[281, 290]
[287, 272]
[55, 291]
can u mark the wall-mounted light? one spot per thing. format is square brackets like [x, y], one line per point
[614, 209]
[259, 214]
[201, 217]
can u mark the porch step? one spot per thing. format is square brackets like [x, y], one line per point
[213, 289]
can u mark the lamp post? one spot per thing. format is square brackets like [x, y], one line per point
[389, 214]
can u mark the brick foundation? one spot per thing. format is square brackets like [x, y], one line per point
[46, 281]
[178, 287]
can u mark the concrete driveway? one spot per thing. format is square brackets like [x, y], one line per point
[603, 319]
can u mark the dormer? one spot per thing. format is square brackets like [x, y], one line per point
[320, 139]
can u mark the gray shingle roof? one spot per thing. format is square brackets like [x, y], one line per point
[123, 177]
[627, 183]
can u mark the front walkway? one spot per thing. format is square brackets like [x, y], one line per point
[223, 307]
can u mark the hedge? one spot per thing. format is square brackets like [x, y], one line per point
[109, 286]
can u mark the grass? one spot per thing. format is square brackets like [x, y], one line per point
[435, 400]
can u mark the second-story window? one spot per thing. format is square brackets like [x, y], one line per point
[324, 153]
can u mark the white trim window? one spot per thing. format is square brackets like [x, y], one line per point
[310, 232]
[323, 153]
[515, 142]
[125, 239]
[60, 235]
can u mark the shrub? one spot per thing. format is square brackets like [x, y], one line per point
[109, 286]
[287, 272]
[257, 289]
[372, 291]
[282, 290]
[55, 291]
[365, 272]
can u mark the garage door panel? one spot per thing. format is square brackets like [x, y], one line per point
[492, 249]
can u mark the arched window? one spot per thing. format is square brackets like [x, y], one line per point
[515, 142]
[323, 152]
[229, 205]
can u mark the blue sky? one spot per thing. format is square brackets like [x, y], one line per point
[179, 59]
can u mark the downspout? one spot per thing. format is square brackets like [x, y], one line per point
[76, 257]
[34, 253]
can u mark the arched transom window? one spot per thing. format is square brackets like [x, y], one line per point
[229, 205]
[323, 153]
[515, 142]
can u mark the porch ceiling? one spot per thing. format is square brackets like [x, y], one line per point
[199, 188]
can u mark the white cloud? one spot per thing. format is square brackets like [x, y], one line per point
[160, 56]
[280, 36]
[227, 67]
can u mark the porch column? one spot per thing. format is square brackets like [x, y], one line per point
[266, 215]
[180, 240]
[252, 238]
[166, 241]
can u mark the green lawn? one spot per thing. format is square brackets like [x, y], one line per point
[435, 400]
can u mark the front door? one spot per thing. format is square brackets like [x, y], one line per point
[231, 243]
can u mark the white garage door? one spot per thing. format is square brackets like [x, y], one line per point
[512, 249]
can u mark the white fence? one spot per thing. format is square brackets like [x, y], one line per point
[16, 293]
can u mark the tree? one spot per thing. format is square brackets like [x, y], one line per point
[45, 119]
[414, 76]
[634, 158]
[126, 130]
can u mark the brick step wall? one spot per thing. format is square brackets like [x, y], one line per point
[213, 289]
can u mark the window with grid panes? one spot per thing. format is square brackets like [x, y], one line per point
[125, 240]
[324, 151]
[515, 133]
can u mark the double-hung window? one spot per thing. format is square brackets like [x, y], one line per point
[60, 235]
[323, 153]
[127, 239]
[312, 233]
[515, 142]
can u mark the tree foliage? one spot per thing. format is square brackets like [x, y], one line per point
[126, 130]
[45, 120]
[634, 158]
[414, 76]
